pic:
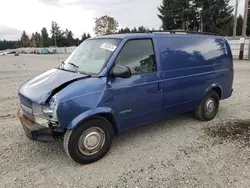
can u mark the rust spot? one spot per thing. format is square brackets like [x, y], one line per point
[50, 131]
[24, 120]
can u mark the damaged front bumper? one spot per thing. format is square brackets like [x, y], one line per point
[35, 131]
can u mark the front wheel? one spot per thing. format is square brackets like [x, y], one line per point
[89, 141]
[208, 108]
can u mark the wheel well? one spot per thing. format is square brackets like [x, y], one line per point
[111, 120]
[218, 91]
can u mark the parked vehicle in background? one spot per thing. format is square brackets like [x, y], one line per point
[12, 52]
[23, 52]
[117, 82]
[44, 51]
[30, 52]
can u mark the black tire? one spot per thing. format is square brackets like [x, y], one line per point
[72, 137]
[203, 112]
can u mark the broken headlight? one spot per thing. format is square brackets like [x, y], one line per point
[45, 112]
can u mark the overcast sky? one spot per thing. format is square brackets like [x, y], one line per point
[76, 15]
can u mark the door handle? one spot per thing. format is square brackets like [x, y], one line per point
[160, 88]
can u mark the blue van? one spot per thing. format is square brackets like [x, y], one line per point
[112, 83]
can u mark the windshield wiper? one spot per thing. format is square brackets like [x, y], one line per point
[75, 66]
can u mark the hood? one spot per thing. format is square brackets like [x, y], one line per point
[40, 88]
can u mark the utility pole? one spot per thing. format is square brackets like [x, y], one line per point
[244, 28]
[235, 18]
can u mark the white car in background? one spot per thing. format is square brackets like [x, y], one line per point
[4, 53]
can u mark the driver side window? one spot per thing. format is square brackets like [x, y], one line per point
[139, 56]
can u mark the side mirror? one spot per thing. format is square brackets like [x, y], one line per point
[121, 71]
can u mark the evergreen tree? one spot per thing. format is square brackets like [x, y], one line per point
[56, 33]
[239, 25]
[142, 29]
[127, 30]
[216, 14]
[45, 40]
[25, 40]
[38, 39]
[16, 44]
[120, 31]
[5, 44]
[177, 14]
[124, 30]
[134, 30]
[88, 35]
[77, 42]
[32, 42]
[35, 40]
[69, 38]
[84, 37]
[227, 29]
[248, 22]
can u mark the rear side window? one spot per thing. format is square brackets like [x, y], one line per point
[139, 56]
[188, 52]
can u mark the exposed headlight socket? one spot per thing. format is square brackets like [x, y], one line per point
[44, 112]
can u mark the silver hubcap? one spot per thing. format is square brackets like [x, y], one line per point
[91, 141]
[210, 106]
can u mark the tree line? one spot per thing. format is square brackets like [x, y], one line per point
[58, 37]
[197, 15]
[140, 29]
[214, 16]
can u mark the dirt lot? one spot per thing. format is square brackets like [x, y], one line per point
[181, 152]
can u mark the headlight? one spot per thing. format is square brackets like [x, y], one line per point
[41, 121]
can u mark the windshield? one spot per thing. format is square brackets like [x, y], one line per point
[90, 57]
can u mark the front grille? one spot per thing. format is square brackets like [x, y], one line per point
[25, 102]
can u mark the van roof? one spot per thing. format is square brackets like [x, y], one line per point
[121, 36]
[141, 35]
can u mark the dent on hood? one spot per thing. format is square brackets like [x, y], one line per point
[42, 87]
[56, 90]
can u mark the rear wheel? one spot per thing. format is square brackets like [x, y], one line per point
[208, 108]
[90, 141]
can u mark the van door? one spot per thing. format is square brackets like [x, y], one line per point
[138, 99]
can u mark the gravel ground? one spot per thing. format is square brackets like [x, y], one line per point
[180, 152]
